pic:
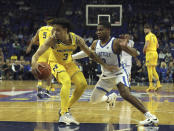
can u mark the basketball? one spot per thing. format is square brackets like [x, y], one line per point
[45, 71]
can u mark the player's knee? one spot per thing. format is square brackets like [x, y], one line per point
[82, 84]
[66, 83]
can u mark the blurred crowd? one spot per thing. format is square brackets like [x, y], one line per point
[20, 20]
[13, 69]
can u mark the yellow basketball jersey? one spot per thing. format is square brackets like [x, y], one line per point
[152, 42]
[61, 53]
[44, 33]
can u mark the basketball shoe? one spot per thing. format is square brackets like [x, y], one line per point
[42, 93]
[149, 121]
[158, 85]
[111, 100]
[151, 88]
[67, 118]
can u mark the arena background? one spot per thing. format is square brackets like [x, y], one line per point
[20, 20]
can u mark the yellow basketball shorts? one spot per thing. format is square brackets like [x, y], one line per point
[71, 68]
[151, 58]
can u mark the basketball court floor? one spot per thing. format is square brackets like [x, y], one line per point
[21, 110]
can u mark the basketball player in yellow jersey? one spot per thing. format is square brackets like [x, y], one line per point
[150, 49]
[63, 43]
[42, 34]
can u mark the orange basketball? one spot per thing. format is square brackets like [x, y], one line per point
[45, 71]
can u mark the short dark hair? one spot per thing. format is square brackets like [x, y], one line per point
[48, 19]
[106, 24]
[63, 22]
[147, 26]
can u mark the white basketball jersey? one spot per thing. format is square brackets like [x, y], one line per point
[125, 57]
[107, 55]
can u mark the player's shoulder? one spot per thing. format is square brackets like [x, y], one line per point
[72, 33]
[46, 28]
[148, 35]
[153, 34]
[116, 40]
[74, 36]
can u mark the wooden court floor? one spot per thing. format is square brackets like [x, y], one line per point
[19, 103]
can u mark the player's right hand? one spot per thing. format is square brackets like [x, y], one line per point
[35, 69]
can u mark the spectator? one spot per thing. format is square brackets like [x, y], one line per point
[163, 72]
[161, 56]
[27, 73]
[6, 70]
[170, 72]
[17, 70]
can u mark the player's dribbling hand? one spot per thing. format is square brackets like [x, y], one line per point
[35, 69]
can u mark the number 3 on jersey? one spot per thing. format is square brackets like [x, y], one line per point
[65, 56]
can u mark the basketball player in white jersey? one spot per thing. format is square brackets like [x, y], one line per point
[109, 49]
[126, 58]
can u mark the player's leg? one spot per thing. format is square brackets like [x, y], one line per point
[43, 93]
[78, 79]
[125, 93]
[80, 82]
[149, 63]
[98, 95]
[65, 80]
[40, 90]
[103, 87]
[49, 86]
[156, 77]
[39, 83]
[150, 76]
[155, 74]
[63, 77]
